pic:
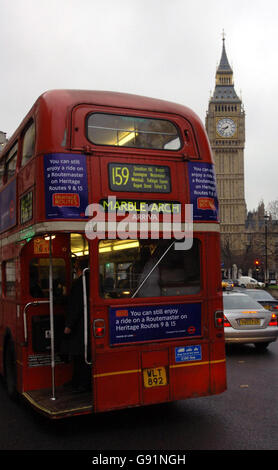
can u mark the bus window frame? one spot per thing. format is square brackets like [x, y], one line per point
[28, 253]
[78, 140]
[14, 281]
[136, 116]
[165, 298]
[11, 155]
[28, 126]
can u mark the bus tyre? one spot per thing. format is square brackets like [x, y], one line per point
[10, 370]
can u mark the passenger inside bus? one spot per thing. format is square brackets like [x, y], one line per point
[73, 343]
[35, 288]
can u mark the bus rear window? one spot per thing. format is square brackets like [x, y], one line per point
[148, 268]
[131, 131]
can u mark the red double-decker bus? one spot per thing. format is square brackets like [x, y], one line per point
[80, 165]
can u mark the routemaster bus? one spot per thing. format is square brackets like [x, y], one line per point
[80, 165]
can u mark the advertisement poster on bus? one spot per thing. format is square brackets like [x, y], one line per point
[203, 191]
[66, 186]
[154, 322]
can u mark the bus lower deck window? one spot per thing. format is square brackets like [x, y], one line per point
[141, 268]
[10, 269]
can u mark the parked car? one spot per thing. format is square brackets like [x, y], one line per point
[227, 284]
[264, 298]
[247, 281]
[246, 321]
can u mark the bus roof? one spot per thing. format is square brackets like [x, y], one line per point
[59, 102]
[115, 99]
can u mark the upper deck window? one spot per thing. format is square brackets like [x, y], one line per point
[131, 131]
[10, 165]
[28, 145]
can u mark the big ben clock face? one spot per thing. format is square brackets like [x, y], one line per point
[226, 127]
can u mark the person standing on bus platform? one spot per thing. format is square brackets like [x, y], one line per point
[74, 333]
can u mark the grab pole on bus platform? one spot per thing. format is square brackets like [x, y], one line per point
[85, 303]
[51, 314]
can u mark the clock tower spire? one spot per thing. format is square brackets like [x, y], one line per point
[225, 124]
[224, 66]
[224, 77]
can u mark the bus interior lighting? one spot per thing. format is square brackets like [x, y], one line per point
[125, 246]
[127, 138]
[105, 249]
[49, 237]
[118, 245]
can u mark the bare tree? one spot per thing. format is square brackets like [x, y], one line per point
[272, 209]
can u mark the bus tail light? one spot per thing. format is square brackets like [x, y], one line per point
[99, 328]
[219, 319]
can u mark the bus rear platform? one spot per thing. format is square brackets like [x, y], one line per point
[66, 402]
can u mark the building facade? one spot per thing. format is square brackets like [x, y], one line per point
[261, 255]
[3, 140]
[249, 241]
[225, 125]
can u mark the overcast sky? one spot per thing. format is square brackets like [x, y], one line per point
[160, 48]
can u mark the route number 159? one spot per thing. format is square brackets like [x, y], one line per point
[120, 175]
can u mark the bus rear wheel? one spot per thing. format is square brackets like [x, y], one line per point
[10, 370]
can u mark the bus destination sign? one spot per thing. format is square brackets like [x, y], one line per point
[139, 178]
[112, 204]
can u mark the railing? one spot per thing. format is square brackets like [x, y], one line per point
[85, 302]
[30, 304]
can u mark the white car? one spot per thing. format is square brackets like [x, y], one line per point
[246, 321]
[247, 281]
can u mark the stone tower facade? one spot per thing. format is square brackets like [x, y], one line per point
[225, 125]
[3, 140]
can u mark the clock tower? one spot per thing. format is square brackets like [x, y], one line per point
[225, 125]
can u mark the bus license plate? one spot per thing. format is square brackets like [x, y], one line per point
[249, 321]
[154, 377]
